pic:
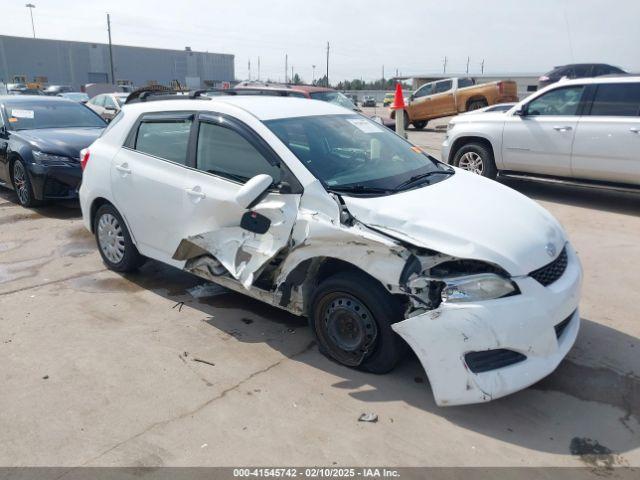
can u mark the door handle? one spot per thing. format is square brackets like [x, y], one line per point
[564, 128]
[634, 130]
[124, 168]
[196, 192]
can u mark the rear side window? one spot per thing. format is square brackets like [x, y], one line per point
[617, 100]
[223, 151]
[164, 139]
[442, 87]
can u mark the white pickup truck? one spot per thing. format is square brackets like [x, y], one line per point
[579, 131]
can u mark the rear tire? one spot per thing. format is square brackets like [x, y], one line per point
[476, 158]
[419, 125]
[477, 104]
[351, 316]
[114, 242]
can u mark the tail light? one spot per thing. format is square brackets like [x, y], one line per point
[500, 88]
[84, 158]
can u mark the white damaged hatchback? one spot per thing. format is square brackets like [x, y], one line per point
[311, 208]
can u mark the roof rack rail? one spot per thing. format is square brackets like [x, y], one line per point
[148, 94]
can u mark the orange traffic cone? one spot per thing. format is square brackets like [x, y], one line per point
[398, 101]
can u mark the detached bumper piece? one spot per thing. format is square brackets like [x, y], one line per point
[488, 360]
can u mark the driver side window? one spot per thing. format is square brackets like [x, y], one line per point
[224, 152]
[424, 91]
[559, 102]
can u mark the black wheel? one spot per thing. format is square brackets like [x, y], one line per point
[419, 125]
[477, 104]
[351, 316]
[22, 185]
[476, 158]
[114, 242]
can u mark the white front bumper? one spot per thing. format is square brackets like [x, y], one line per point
[523, 323]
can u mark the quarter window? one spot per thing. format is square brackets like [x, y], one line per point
[223, 151]
[561, 101]
[617, 99]
[165, 139]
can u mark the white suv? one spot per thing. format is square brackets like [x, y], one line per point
[583, 131]
[320, 211]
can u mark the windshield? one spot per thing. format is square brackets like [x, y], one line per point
[348, 151]
[50, 114]
[334, 97]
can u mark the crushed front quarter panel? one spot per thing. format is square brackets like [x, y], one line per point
[522, 323]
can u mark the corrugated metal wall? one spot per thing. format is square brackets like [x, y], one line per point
[78, 63]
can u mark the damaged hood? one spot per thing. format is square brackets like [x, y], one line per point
[467, 216]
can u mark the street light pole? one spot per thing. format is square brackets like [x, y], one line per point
[313, 82]
[31, 6]
[113, 80]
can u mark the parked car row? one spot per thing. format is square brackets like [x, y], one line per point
[582, 131]
[320, 211]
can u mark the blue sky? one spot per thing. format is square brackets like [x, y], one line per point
[512, 36]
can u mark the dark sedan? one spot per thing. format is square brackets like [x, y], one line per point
[578, 70]
[40, 143]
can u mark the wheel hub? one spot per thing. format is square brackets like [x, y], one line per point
[350, 329]
[472, 162]
[111, 238]
[20, 182]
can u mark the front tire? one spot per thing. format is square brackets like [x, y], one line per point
[476, 158]
[22, 185]
[419, 125]
[114, 241]
[351, 316]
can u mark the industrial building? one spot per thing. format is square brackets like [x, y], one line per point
[60, 62]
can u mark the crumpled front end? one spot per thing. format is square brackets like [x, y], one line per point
[477, 352]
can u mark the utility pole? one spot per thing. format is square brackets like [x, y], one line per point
[313, 82]
[382, 85]
[291, 73]
[286, 67]
[31, 6]
[327, 64]
[468, 58]
[258, 68]
[249, 67]
[113, 80]
[482, 67]
[444, 65]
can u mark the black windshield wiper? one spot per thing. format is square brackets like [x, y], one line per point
[359, 189]
[421, 176]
